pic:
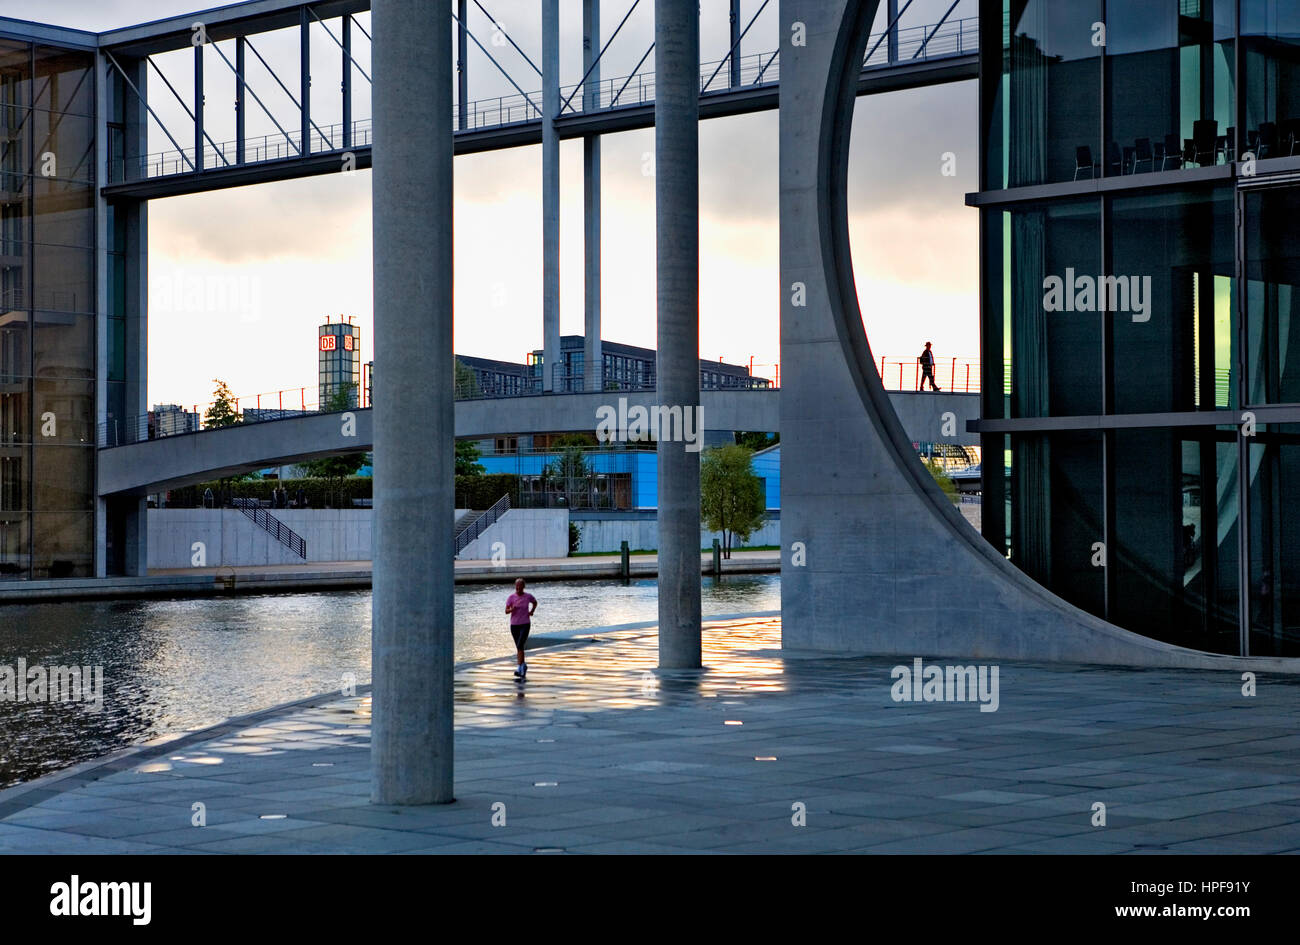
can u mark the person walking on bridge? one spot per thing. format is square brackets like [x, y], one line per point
[520, 606]
[927, 368]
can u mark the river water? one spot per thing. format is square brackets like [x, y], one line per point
[178, 665]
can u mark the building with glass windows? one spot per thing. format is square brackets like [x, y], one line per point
[1140, 257]
[48, 285]
[631, 367]
[338, 346]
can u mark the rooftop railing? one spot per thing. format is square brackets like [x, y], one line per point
[955, 37]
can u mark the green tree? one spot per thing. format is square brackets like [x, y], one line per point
[341, 399]
[467, 459]
[571, 476]
[945, 482]
[334, 470]
[467, 386]
[758, 440]
[731, 496]
[223, 412]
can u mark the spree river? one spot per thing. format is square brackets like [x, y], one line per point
[178, 665]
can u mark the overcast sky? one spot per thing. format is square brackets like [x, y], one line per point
[286, 255]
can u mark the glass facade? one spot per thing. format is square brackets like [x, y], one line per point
[338, 346]
[1128, 327]
[47, 311]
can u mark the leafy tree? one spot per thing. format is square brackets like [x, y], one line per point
[334, 470]
[467, 459]
[467, 385]
[731, 496]
[223, 412]
[757, 441]
[573, 474]
[342, 399]
[942, 478]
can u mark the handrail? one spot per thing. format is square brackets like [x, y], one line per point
[272, 526]
[481, 524]
[154, 426]
[932, 41]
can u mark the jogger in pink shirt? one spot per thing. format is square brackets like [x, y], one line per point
[520, 606]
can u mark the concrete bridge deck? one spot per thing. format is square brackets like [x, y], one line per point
[174, 461]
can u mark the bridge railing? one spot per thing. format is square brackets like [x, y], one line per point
[954, 375]
[954, 37]
[156, 425]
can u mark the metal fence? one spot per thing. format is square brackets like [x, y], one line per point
[953, 37]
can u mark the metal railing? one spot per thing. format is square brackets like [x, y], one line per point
[249, 410]
[955, 37]
[272, 526]
[481, 524]
[953, 375]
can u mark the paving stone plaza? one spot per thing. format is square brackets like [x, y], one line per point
[598, 752]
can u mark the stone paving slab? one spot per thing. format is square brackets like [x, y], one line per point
[600, 753]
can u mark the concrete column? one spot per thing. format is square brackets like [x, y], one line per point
[304, 78]
[550, 196]
[414, 426]
[677, 244]
[198, 108]
[135, 531]
[241, 94]
[345, 88]
[891, 13]
[104, 172]
[593, 357]
[734, 45]
[462, 63]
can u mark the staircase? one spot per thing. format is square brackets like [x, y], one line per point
[273, 526]
[480, 524]
[462, 521]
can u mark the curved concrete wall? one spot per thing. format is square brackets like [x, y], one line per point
[874, 559]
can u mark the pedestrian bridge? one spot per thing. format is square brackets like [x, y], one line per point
[170, 462]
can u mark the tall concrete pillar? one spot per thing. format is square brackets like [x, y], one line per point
[593, 357]
[462, 64]
[677, 245]
[414, 428]
[550, 195]
[734, 62]
[123, 397]
[891, 12]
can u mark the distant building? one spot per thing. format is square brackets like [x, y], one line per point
[497, 378]
[258, 414]
[627, 367]
[338, 346]
[170, 419]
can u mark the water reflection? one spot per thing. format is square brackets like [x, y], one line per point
[178, 665]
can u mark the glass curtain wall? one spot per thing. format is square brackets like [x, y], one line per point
[47, 306]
